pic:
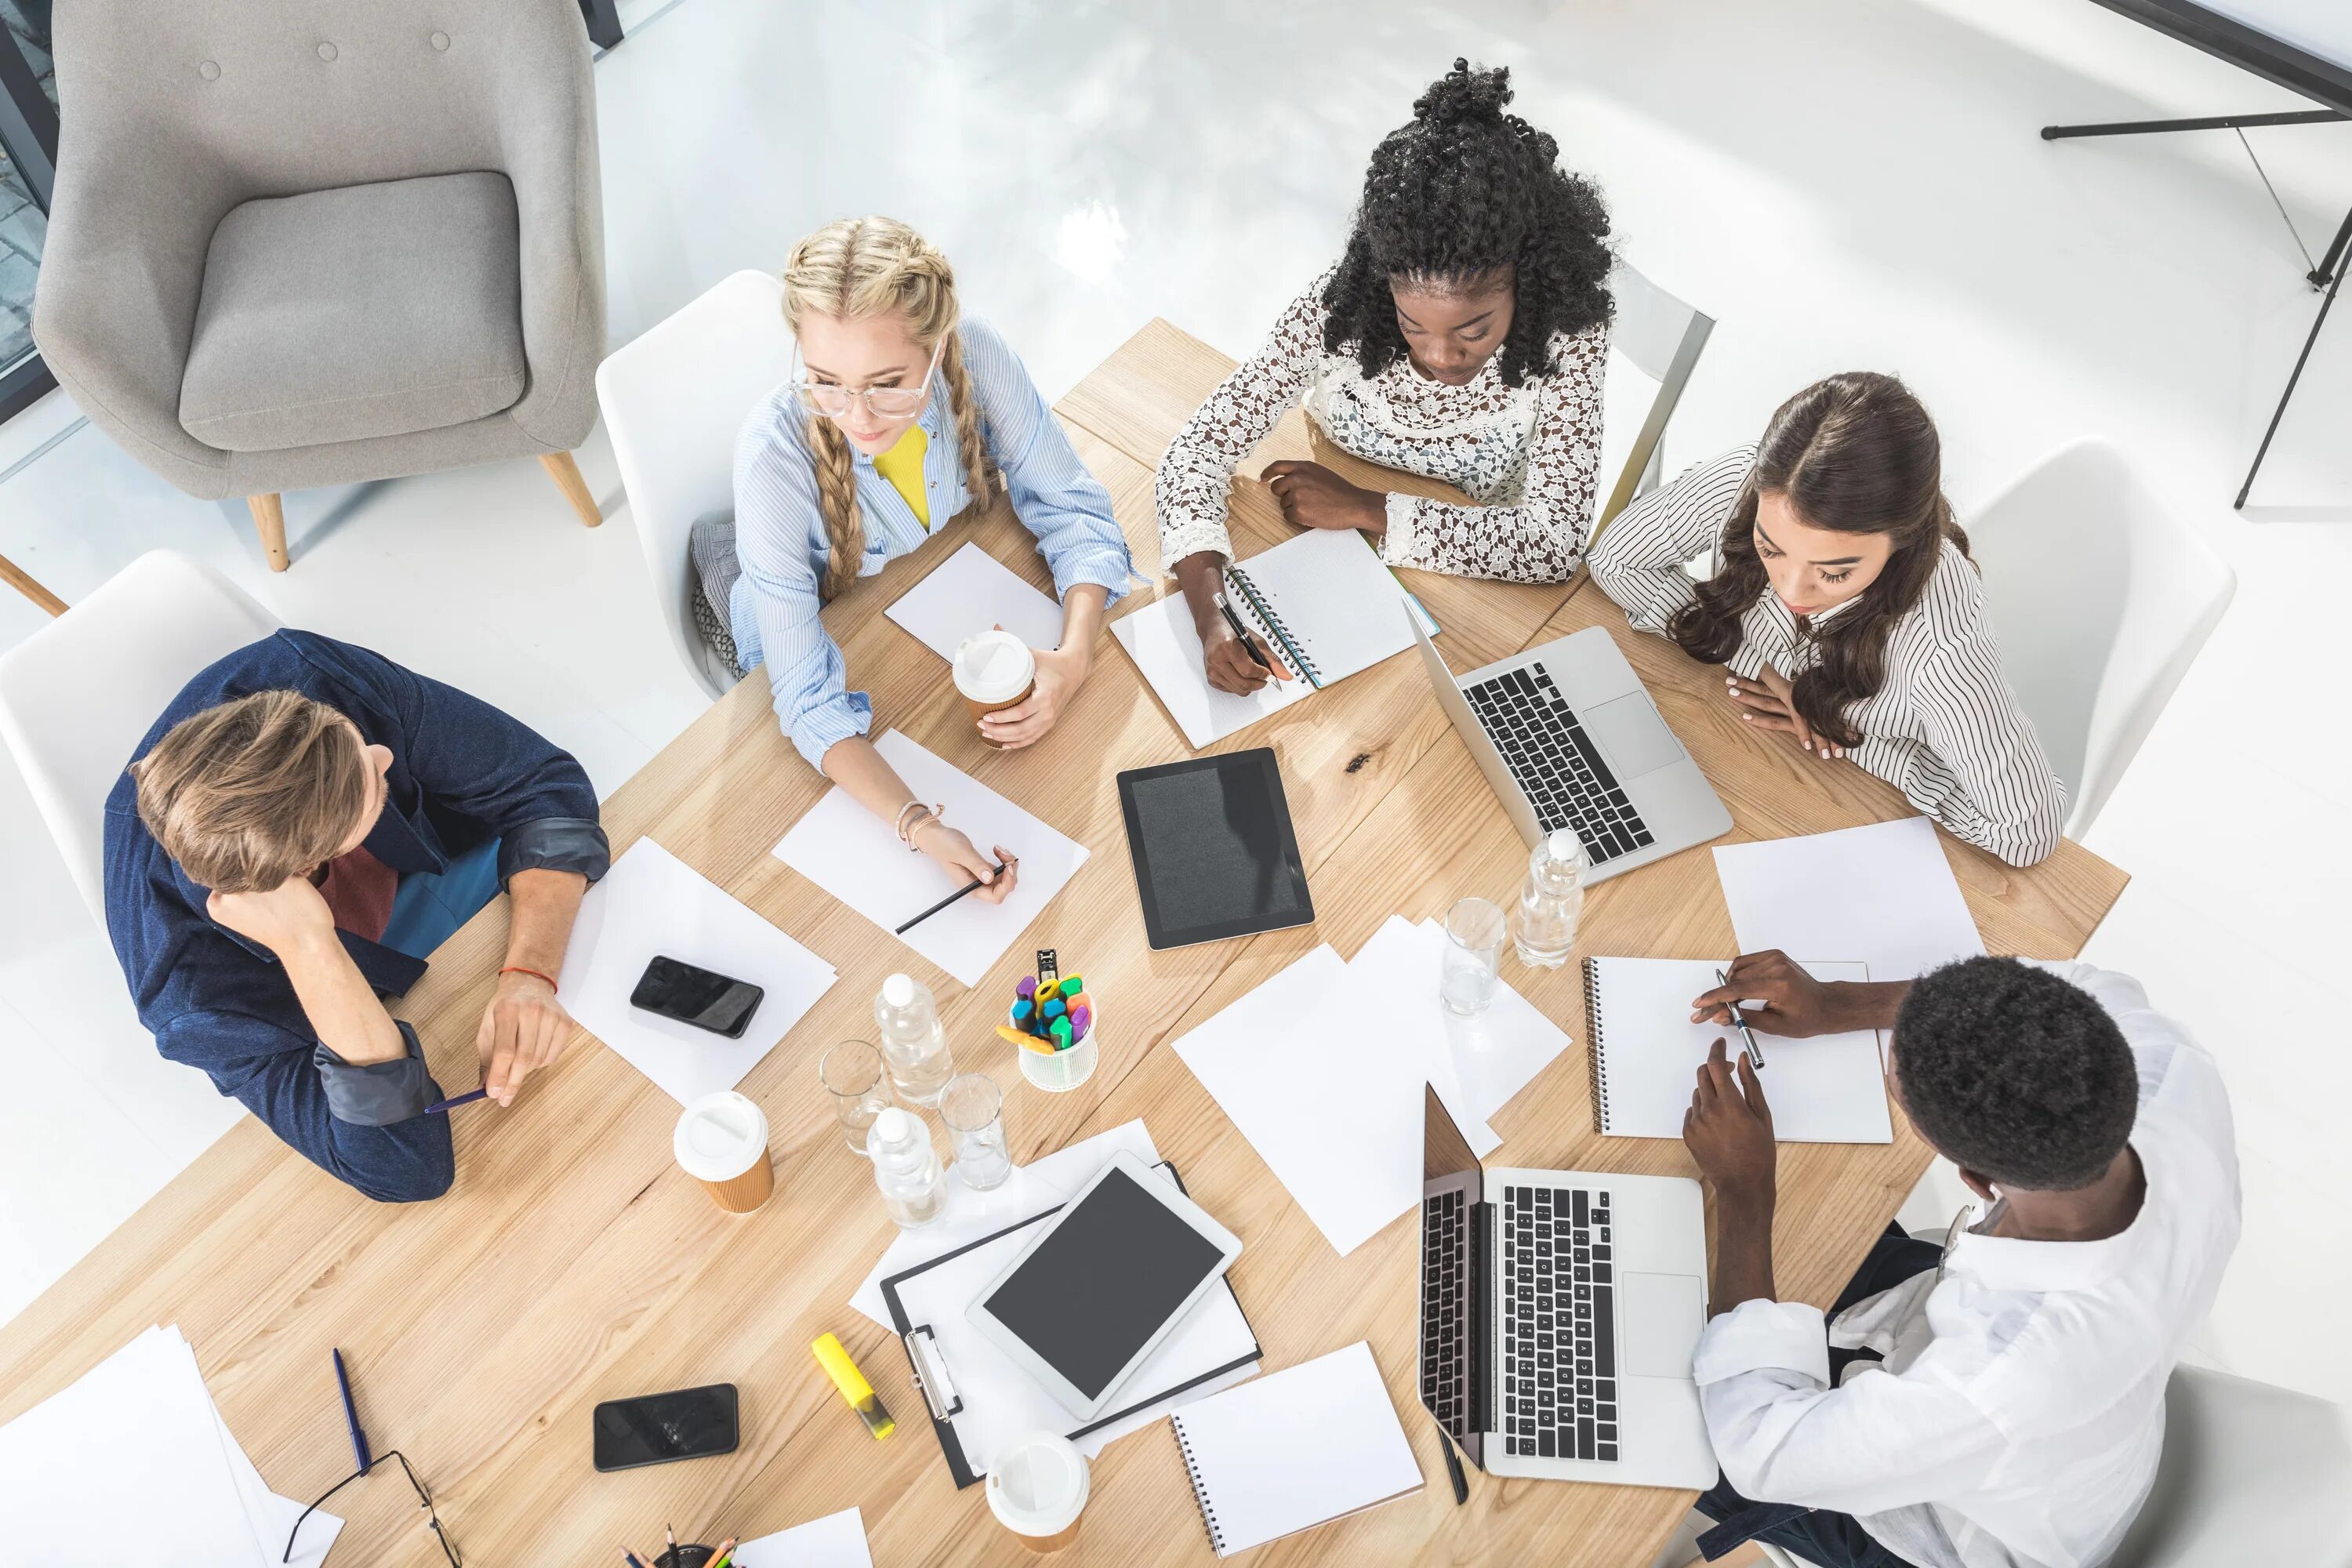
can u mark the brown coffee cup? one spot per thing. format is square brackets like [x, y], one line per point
[993, 670]
[721, 1141]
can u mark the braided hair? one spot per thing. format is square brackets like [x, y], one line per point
[859, 266]
[1463, 194]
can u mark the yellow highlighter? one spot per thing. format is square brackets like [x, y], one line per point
[853, 1386]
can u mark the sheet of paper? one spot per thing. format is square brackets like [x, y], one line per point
[1881, 894]
[1161, 639]
[856, 857]
[837, 1540]
[969, 1215]
[1297, 1448]
[1828, 1088]
[969, 591]
[1494, 1055]
[651, 904]
[131, 1463]
[1337, 1118]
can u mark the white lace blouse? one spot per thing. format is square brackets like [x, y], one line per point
[1528, 454]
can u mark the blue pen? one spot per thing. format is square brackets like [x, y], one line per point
[352, 1414]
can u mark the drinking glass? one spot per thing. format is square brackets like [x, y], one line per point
[973, 1108]
[852, 1074]
[1473, 952]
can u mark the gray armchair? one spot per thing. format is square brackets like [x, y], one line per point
[313, 242]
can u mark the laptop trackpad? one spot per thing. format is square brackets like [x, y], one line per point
[1659, 1318]
[1632, 736]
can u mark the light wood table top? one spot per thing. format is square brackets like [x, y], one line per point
[573, 1262]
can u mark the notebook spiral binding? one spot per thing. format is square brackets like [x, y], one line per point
[1200, 1490]
[1272, 625]
[1595, 1062]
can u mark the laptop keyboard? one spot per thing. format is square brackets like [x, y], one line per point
[1559, 1334]
[1557, 763]
[1444, 1301]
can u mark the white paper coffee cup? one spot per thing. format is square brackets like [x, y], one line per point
[1037, 1486]
[994, 670]
[721, 1140]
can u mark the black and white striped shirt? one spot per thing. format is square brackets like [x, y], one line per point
[1944, 728]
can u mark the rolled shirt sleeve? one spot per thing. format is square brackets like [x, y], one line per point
[556, 844]
[1055, 495]
[376, 1094]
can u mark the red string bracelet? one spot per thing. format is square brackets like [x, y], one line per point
[536, 975]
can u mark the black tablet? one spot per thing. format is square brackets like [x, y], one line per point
[1215, 855]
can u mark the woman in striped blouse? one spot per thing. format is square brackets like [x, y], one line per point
[906, 414]
[1845, 607]
[1462, 336]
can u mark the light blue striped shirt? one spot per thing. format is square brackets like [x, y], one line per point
[780, 541]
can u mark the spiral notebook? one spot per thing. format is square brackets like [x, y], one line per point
[1323, 600]
[1294, 1449]
[1645, 1054]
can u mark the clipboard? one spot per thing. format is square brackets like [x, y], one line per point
[944, 1401]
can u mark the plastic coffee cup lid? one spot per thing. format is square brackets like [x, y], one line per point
[719, 1137]
[1038, 1484]
[994, 666]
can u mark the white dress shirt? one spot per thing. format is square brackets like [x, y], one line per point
[2016, 1420]
[1943, 726]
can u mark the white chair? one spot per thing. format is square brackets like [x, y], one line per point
[2250, 1474]
[1653, 345]
[77, 695]
[673, 401]
[2101, 598]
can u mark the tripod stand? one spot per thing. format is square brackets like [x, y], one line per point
[2328, 274]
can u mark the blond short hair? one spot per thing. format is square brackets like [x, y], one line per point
[253, 791]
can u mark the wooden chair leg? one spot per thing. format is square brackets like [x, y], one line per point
[270, 518]
[16, 578]
[566, 475]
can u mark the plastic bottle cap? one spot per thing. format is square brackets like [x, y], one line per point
[893, 1125]
[1564, 845]
[899, 990]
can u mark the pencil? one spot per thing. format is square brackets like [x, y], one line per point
[972, 887]
[630, 1558]
[726, 1551]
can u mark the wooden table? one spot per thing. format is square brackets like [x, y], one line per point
[574, 1263]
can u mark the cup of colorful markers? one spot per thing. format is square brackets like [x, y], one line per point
[1053, 1028]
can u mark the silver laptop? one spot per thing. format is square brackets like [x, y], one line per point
[1560, 1310]
[1569, 738]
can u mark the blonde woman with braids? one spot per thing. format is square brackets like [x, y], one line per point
[904, 413]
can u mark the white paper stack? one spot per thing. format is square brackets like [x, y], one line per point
[837, 1540]
[1884, 895]
[967, 594]
[134, 1464]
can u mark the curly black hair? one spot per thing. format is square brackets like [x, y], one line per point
[2014, 1074]
[1463, 191]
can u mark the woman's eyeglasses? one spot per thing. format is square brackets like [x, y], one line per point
[833, 400]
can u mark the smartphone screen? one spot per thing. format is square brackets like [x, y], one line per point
[697, 997]
[658, 1427]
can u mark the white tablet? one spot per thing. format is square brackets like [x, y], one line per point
[1103, 1283]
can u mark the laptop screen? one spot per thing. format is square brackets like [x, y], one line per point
[1443, 1150]
[1453, 1290]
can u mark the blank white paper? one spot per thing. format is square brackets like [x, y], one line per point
[967, 594]
[837, 1540]
[856, 855]
[1882, 894]
[652, 904]
[1494, 1054]
[1166, 649]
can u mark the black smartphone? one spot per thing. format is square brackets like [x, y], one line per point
[655, 1428]
[697, 997]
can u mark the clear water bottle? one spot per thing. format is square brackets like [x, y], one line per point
[914, 1184]
[912, 1041]
[1543, 922]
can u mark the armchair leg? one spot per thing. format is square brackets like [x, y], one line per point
[16, 577]
[566, 475]
[270, 519]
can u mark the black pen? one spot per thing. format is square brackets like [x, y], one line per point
[973, 886]
[1453, 1468]
[1242, 632]
[1755, 1051]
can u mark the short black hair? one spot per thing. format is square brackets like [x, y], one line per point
[2014, 1074]
[1461, 191]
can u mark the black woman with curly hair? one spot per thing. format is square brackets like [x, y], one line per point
[1845, 608]
[1461, 337]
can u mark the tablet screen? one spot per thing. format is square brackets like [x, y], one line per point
[1094, 1292]
[1214, 854]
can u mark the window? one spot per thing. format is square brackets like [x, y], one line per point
[28, 150]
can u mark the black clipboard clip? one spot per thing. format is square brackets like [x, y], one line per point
[930, 1373]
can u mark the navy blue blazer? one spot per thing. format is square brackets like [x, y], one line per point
[462, 775]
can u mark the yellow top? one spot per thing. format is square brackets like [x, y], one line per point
[902, 465]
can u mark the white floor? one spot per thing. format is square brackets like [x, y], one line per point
[1844, 182]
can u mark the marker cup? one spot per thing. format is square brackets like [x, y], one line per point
[1057, 1071]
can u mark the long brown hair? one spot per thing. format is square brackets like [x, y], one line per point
[1855, 453]
[859, 266]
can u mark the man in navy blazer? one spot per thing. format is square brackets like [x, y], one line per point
[302, 827]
